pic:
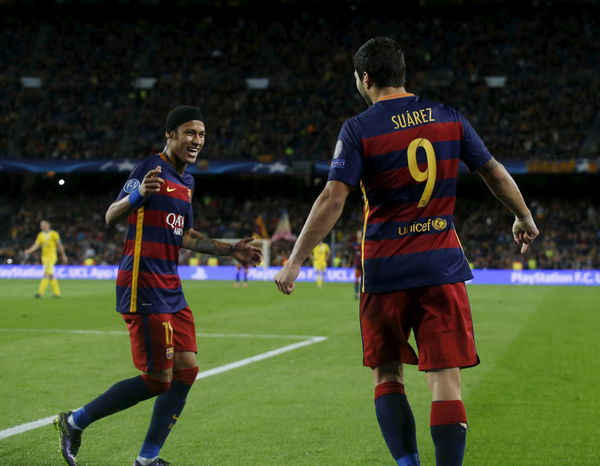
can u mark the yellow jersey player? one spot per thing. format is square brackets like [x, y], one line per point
[49, 241]
[320, 256]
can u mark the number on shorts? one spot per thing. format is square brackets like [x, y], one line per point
[168, 333]
[430, 172]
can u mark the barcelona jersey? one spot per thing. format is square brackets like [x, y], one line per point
[148, 281]
[404, 153]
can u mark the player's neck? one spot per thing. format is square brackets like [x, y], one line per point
[177, 164]
[377, 93]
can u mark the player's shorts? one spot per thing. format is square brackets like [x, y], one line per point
[49, 263]
[439, 316]
[155, 338]
[320, 266]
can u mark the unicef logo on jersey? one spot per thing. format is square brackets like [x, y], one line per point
[131, 186]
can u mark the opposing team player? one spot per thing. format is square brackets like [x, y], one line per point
[403, 152]
[320, 255]
[49, 241]
[241, 274]
[156, 201]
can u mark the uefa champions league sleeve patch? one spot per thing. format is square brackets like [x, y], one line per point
[337, 162]
[131, 185]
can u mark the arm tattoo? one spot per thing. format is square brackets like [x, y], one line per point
[198, 242]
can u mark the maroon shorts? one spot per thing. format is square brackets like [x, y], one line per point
[156, 337]
[440, 317]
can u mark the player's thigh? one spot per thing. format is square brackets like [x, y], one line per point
[392, 372]
[48, 263]
[445, 384]
[385, 329]
[184, 333]
[152, 341]
[443, 327]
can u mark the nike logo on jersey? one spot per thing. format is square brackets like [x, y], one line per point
[170, 190]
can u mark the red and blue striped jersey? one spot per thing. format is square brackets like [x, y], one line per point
[148, 281]
[404, 153]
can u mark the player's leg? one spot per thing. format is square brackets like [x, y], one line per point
[446, 344]
[394, 414]
[169, 405]
[448, 416]
[147, 335]
[245, 272]
[237, 277]
[384, 329]
[48, 271]
[54, 282]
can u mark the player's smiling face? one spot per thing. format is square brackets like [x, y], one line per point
[187, 141]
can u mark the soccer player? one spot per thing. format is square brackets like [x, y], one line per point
[156, 203]
[49, 241]
[403, 152]
[241, 273]
[357, 263]
[320, 255]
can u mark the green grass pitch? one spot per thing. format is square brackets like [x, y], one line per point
[534, 399]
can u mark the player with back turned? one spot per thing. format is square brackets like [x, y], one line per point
[403, 153]
[156, 201]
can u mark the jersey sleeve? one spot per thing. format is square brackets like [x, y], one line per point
[188, 221]
[473, 152]
[39, 239]
[56, 236]
[347, 162]
[134, 180]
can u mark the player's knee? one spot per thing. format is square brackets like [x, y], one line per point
[186, 376]
[156, 386]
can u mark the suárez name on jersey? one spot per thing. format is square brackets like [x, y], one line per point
[416, 117]
[175, 221]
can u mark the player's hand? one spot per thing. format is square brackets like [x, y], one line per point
[284, 279]
[151, 182]
[524, 232]
[243, 251]
[65, 259]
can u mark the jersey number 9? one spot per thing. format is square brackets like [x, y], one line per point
[430, 172]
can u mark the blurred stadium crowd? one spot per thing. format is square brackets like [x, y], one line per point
[483, 225]
[88, 108]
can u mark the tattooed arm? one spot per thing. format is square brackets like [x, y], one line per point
[242, 250]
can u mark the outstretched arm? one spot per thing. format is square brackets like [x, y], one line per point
[503, 186]
[242, 250]
[33, 247]
[324, 214]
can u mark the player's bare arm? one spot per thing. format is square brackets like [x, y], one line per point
[243, 251]
[33, 247]
[120, 210]
[503, 186]
[61, 249]
[324, 214]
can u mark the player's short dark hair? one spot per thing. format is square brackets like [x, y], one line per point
[382, 58]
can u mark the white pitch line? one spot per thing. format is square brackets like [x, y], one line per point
[202, 375]
[123, 332]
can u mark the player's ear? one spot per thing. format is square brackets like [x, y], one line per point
[170, 134]
[367, 80]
